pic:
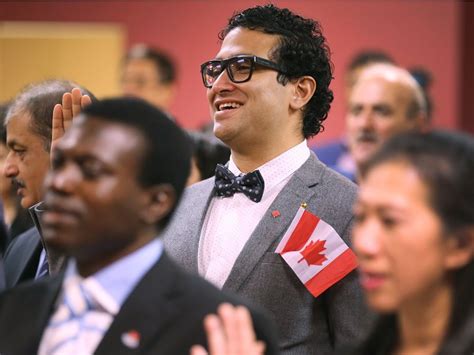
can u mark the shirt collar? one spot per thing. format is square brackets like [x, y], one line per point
[279, 168]
[120, 278]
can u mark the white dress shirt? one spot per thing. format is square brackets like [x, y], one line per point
[230, 221]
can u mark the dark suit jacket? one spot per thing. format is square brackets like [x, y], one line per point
[22, 257]
[2, 275]
[166, 308]
[307, 325]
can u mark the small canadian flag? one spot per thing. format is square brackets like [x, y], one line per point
[315, 252]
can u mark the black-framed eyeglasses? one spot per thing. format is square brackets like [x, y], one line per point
[239, 69]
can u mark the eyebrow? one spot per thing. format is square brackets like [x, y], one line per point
[11, 143]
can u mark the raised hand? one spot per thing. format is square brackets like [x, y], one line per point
[230, 332]
[63, 114]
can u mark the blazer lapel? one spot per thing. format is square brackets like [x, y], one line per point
[271, 229]
[34, 321]
[147, 311]
[26, 258]
[181, 239]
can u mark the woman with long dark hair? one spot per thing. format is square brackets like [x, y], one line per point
[414, 237]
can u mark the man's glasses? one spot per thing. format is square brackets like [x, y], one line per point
[239, 69]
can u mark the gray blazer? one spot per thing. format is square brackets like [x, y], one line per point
[306, 325]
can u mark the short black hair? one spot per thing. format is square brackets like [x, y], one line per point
[164, 64]
[302, 50]
[38, 101]
[167, 154]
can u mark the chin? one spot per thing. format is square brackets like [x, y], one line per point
[26, 203]
[381, 304]
[57, 240]
[221, 133]
[362, 157]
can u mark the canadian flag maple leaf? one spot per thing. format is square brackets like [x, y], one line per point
[313, 253]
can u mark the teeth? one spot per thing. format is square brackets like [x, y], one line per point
[229, 105]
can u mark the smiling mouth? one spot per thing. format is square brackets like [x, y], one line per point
[228, 106]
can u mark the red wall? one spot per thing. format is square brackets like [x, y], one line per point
[415, 32]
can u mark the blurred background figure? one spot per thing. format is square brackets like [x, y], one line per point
[385, 100]
[16, 219]
[335, 154]
[361, 61]
[208, 151]
[425, 79]
[31, 136]
[414, 237]
[149, 74]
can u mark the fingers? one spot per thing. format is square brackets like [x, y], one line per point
[244, 328]
[71, 106]
[216, 338]
[76, 101]
[85, 100]
[57, 124]
[260, 347]
[230, 323]
[239, 330]
[63, 114]
[67, 106]
[197, 350]
[231, 332]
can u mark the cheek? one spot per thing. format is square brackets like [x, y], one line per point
[417, 271]
[209, 96]
[350, 127]
[388, 126]
[111, 201]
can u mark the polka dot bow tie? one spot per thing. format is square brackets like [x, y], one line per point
[227, 184]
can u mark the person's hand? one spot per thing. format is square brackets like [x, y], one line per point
[72, 105]
[230, 332]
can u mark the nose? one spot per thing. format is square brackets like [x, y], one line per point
[366, 120]
[222, 83]
[366, 239]
[10, 168]
[64, 180]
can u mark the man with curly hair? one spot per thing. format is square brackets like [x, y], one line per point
[268, 91]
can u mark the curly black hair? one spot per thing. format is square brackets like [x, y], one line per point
[302, 50]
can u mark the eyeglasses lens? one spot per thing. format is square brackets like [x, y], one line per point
[238, 69]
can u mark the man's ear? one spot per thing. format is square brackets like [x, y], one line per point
[460, 249]
[304, 89]
[159, 201]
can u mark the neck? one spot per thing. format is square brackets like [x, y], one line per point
[90, 262]
[250, 157]
[423, 323]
